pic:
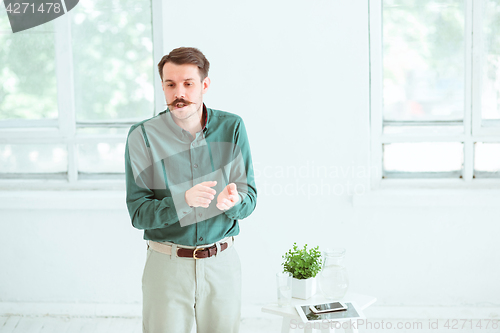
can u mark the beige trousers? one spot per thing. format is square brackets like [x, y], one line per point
[177, 291]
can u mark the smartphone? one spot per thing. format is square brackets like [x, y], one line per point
[328, 307]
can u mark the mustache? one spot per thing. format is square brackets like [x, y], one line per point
[180, 100]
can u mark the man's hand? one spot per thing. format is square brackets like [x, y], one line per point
[228, 198]
[200, 195]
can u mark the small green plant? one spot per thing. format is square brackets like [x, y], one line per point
[302, 264]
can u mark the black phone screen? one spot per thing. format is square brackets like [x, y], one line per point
[328, 306]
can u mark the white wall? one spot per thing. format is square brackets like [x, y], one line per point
[298, 74]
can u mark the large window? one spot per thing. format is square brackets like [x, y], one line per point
[435, 91]
[69, 91]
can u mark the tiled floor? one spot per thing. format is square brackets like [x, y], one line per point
[432, 326]
[16, 324]
[46, 324]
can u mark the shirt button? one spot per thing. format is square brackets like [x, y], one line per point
[200, 214]
[196, 165]
[185, 212]
[201, 238]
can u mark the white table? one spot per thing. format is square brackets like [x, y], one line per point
[290, 315]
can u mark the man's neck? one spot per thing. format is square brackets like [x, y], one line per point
[193, 124]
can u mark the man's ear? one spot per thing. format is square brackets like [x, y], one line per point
[206, 84]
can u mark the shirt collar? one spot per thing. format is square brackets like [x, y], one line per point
[206, 115]
[178, 130]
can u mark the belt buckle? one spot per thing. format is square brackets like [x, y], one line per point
[194, 252]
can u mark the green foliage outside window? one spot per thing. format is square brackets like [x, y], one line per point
[111, 53]
[28, 88]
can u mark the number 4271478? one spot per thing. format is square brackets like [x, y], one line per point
[464, 323]
[23, 7]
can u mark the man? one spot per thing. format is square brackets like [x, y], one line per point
[189, 180]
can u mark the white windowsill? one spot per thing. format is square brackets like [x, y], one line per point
[390, 194]
[61, 185]
[62, 200]
[431, 193]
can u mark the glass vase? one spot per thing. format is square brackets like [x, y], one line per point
[333, 279]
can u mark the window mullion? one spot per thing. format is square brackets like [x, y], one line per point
[28, 123]
[376, 87]
[72, 161]
[390, 138]
[468, 159]
[65, 90]
[157, 18]
[477, 33]
[468, 143]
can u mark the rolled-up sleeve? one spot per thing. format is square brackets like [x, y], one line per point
[147, 212]
[242, 175]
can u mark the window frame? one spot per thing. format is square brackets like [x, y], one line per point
[63, 129]
[474, 129]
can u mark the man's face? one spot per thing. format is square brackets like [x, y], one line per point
[183, 89]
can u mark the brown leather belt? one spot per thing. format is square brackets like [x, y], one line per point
[195, 253]
[200, 253]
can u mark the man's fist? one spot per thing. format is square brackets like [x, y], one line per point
[200, 195]
[228, 198]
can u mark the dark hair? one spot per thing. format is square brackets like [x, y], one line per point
[186, 55]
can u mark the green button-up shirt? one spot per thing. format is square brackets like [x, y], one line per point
[163, 161]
